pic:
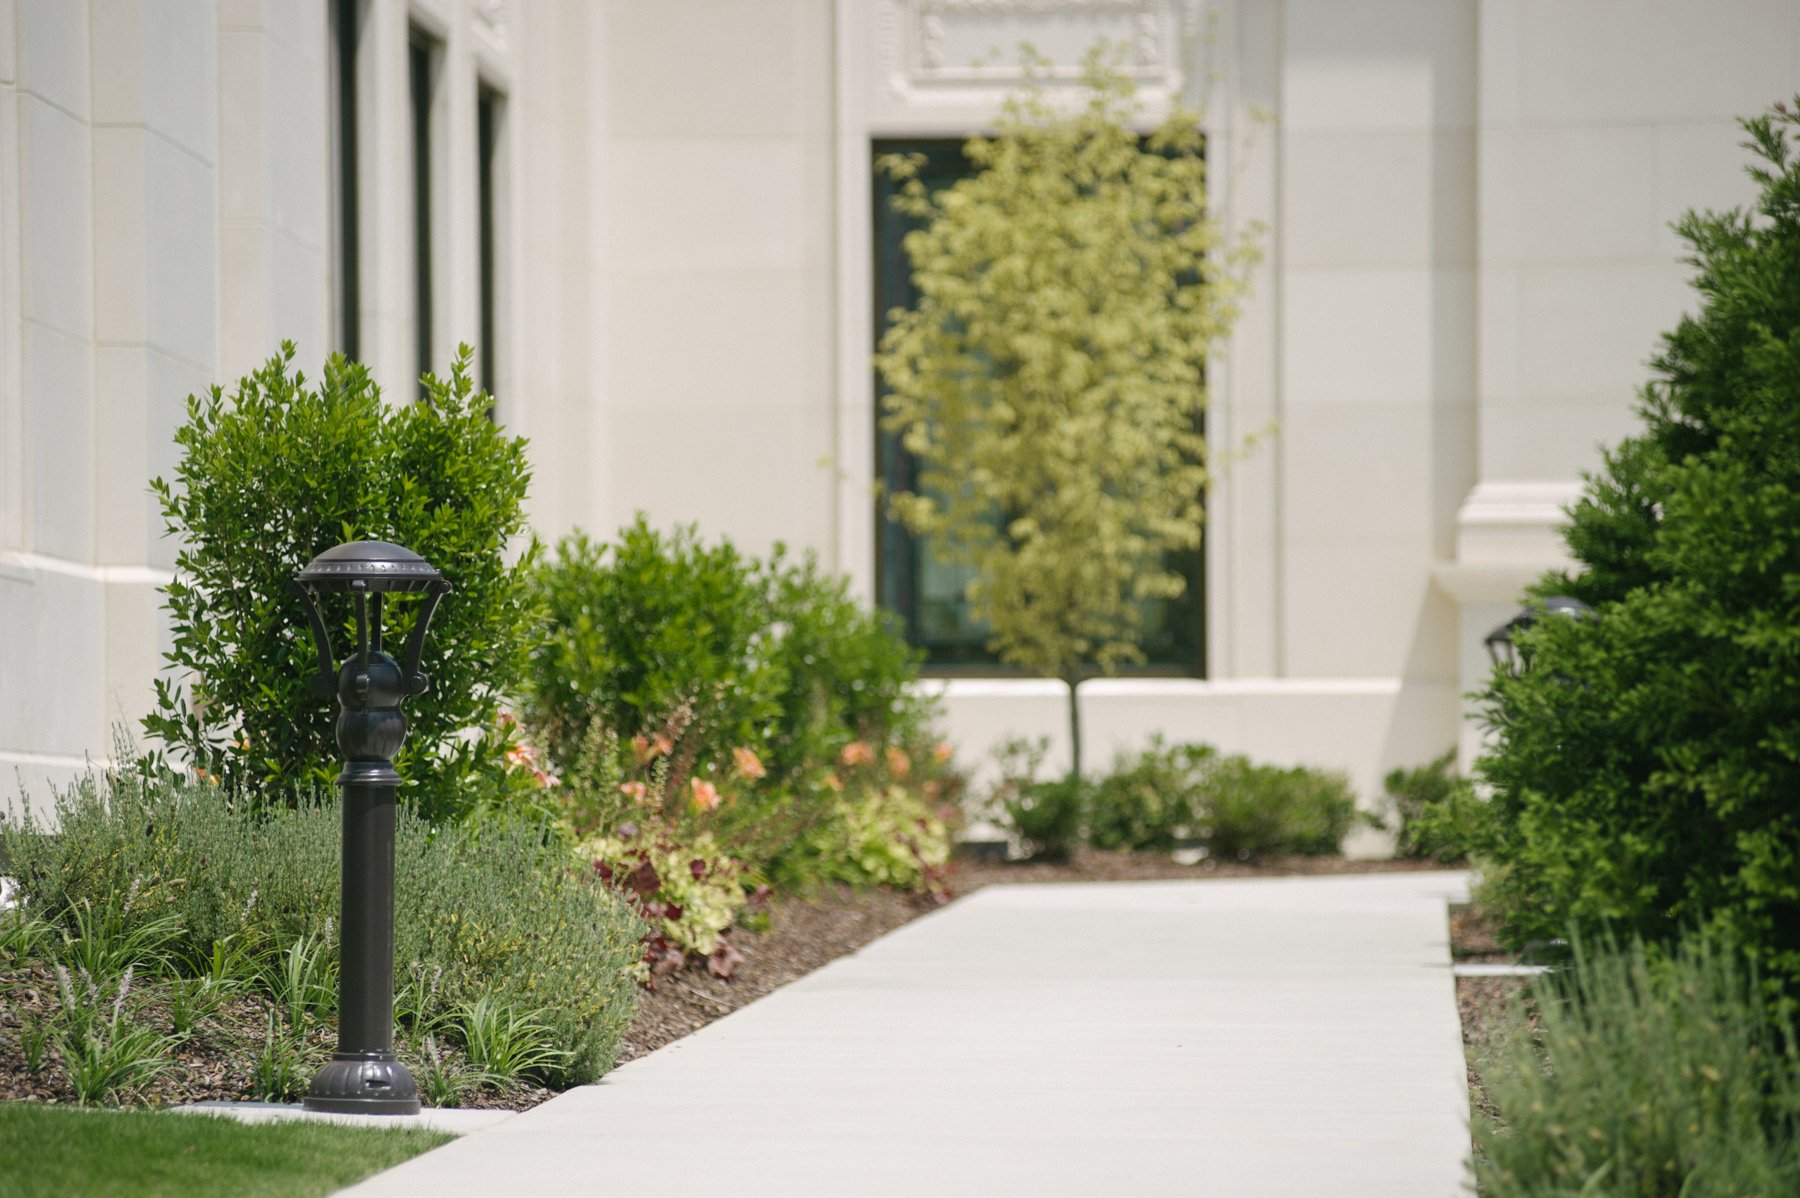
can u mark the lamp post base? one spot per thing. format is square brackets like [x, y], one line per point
[363, 1083]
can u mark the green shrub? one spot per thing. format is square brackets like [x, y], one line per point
[1048, 817]
[1436, 812]
[1645, 765]
[1233, 806]
[653, 635]
[1248, 810]
[493, 911]
[1148, 802]
[847, 670]
[694, 691]
[277, 474]
[1648, 1078]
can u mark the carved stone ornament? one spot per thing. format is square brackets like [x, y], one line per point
[492, 18]
[964, 52]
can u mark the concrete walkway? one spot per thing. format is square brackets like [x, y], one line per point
[1280, 1037]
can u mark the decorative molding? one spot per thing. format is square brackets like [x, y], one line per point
[922, 67]
[493, 18]
[1005, 7]
[1512, 526]
[16, 566]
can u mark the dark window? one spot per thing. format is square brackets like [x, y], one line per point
[422, 56]
[346, 32]
[926, 592]
[489, 108]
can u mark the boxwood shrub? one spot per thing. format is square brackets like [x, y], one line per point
[284, 469]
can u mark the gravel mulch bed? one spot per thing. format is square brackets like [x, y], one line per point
[802, 935]
[1488, 1006]
[1094, 865]
[213, 1062]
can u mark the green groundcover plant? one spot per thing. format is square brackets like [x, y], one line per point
[1645, 765]
[170, 876]
[283, 470]
[1652, 1075]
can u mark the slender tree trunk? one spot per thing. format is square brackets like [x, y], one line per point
[1073, 679]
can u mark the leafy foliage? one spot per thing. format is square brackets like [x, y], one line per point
[688, 892]
[104, 1052]
[1252, 810]
[847, 667]
[689, 692]
[1232, 806]
[1650, 1076]
[1047, 816]
[487, 911]
[884, 836]
[1437, 813]
[1645, 766]
[1050, 380]
[1150, 800]
[647, 627]
[281, 472]
[504, 1043]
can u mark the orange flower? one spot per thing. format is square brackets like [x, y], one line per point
[748, 763]
[647, 750]
[706, 795]
[941, 751]
[833, 782]
[857, 753]
[637, 792]
[898, 762]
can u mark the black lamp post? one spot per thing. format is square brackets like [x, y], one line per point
[364, 1076]
[1500, 644]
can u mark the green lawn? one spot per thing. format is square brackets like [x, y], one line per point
[58, 1151]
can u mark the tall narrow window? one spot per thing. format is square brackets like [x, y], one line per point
[926, 591]
[489, 109]
[346, 32]
[422, 56]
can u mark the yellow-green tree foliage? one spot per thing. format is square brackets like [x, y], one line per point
[1050, 379]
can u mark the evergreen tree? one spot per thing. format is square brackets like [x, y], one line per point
[1647, 766]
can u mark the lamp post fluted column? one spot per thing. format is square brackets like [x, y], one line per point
[364, 1076]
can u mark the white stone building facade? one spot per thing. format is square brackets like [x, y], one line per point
[656, 217]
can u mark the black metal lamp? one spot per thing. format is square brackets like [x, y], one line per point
[364, 1076]
[1505, 651]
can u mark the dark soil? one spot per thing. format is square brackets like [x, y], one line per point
[1094, 865]
[1489, 1006]
[802, 935]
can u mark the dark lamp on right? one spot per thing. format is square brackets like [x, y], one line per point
[1505, 650]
